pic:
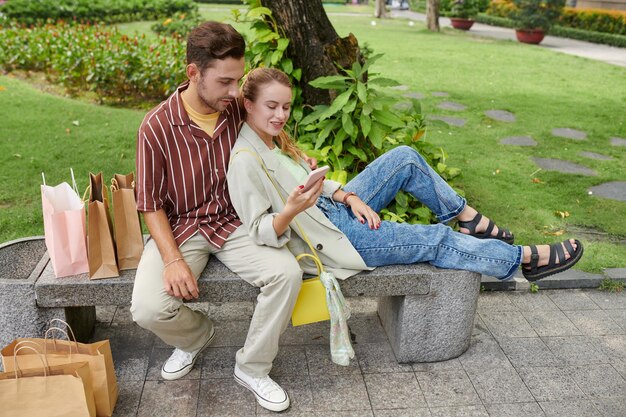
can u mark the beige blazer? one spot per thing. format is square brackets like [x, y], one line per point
[257, 202]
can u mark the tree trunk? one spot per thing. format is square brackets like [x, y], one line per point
[314, 44]
[381, 10]
[432, 15]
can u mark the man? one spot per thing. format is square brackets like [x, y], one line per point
[183, 149]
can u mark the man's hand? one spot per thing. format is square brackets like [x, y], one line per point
[179, 281]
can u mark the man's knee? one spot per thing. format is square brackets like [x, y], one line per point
[146, 312]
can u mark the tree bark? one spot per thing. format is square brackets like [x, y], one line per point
[314, 44]
[380, 10]
[432, 15]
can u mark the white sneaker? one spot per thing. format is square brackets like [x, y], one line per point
[180, 363]
[268, 393]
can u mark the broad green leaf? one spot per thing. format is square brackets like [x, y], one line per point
[387, 118]
[349, 108]
[276, 57]
[346, 122]
[282, 44]
[441, 167]
[377, 135]
[370, 61]
[330, 82]
[297, 73]
[325, 132]
[358, 152]
[338, 141]
[340, 176]
[361, 91]
[402, 199]
[297, 114]
[366, 124]
[315, 115]
[258, 12]
[338, 103]
[287, 66]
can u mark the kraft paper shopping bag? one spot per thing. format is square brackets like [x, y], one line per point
[128, 236]
[100, 249]
[64, 228]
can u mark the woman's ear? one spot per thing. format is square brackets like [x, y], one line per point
[247, 104]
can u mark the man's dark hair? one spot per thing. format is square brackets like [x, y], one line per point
[211, 41]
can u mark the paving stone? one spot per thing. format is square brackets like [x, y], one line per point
[230, 333]
[131, 364]
[311, 334]
[218, 362]
[439, 94]
[594, 322]
[450, 105]
[599, 381]
[620, 366]
[319, 362]
[484, 353]
[614, 190]
[530, 409]
[454, 121]
[550, 383]
[122, 315]
[597, 156]
[519, 141]
[501, 115]
[608, 300]
[182, 398]
[400, 87]
[568, 133]
[417, 96]
[527, 301]
[399, 390]
[447, 388]
[402, 106]
[122, 336]
[615, 273]
[576, 350]
[220, 397]
[367, 329]
[615, 141]
[158, 358]
[129, 395]
[378, 358]
[571, 300]
[405, 412]
[240, 310]
[550, 323]
[353, 413]
[565, 167]
[569, 408]
[529, 351]
[613, 346]
[495, 301]
[497, 385]
[507, 324]
[614, 407]
[448, 365]
[291, 360]
[464, 411]
[618, 316]
[343, 392]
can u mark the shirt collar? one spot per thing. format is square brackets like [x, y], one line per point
[176, 112]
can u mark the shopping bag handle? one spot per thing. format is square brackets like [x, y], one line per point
[42, 358]
[66, 324]
[54, 341]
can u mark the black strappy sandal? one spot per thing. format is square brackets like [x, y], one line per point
[533, 273]
[503, 234]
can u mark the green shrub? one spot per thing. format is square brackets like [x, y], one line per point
[609, 21]
[536, 14]
[85, 11]
[96, 58]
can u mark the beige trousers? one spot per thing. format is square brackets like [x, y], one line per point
[274, 271]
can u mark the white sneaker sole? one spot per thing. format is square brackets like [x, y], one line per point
[171, 376]
[277, 407]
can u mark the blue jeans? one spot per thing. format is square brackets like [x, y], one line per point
[404, 169]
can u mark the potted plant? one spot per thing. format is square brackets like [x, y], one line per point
[461, 13]
[534, 17]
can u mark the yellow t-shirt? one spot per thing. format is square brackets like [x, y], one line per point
[205, 121]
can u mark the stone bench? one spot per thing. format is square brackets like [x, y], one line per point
[428, 313]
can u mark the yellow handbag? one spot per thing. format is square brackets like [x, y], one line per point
[311, 305]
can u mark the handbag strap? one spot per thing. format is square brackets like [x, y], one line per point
[314, 255]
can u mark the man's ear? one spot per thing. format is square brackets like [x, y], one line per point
[193, 73]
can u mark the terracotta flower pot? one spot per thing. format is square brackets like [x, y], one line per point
[532, 36]
[461, 23]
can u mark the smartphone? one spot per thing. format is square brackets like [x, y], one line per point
[314, 177]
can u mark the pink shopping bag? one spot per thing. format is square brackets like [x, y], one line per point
[64, 226]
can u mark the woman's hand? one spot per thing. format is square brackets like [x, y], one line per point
[299, 200]
[311, 162]
[363, 212]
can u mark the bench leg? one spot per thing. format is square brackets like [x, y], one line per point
[436, 326]
[82, 320]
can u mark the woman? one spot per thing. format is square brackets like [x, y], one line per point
[342, 222]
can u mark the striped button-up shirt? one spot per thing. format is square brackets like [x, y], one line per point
[182, 170]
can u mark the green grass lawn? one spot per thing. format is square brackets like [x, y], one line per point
[542, 88]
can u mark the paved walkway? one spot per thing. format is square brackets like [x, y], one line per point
[553, 353]
[608, 54]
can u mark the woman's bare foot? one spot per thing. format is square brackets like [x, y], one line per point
[468, 226]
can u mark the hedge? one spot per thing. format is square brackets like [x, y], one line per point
[102, 11]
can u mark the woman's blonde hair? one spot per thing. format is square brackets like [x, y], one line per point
[256, 79]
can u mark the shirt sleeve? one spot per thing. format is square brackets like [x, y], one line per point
[150, 165]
